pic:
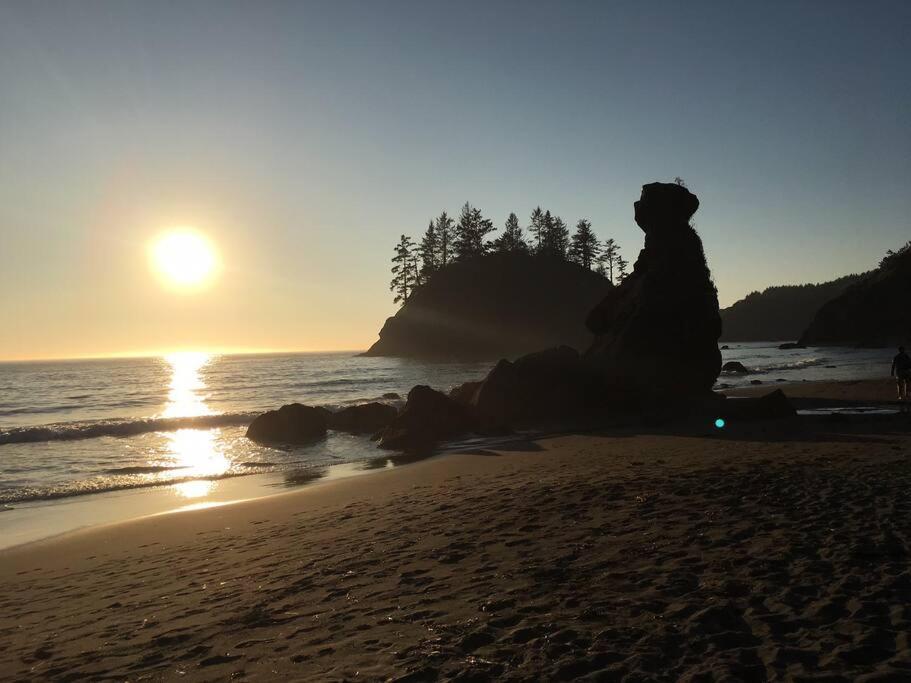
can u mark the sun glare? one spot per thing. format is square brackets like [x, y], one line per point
[184, 259]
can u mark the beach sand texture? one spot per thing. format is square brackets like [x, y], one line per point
[761, 553]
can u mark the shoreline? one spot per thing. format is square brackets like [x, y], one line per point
[766, 550]
[44, 520]
[106, 508]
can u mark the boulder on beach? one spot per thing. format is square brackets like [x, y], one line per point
[293, 424]
[787, 346]
[465, 393]
[367, 418]
[428, 417]
[656, 334]
[735, 366]
[546, 385]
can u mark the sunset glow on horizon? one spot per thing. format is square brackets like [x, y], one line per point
[162, 190]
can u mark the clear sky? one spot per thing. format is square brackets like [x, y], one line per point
[302, 138]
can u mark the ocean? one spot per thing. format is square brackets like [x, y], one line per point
[79, 427]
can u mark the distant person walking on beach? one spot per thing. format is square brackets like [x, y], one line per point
[901, 371]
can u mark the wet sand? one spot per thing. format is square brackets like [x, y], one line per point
[848, 392]
[763, 551]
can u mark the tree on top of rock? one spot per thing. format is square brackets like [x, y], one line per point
[470, 232]
[429, 253]
[622, 265]
[584, 246]
[607, 262]
[559, 238]
[554, 236]
[536, 229]
[511, 241]
[404, 270]
[443, 229]
[893, 257]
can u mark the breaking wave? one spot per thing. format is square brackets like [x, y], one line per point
[72, 431]
[88, 487]
[795, 365]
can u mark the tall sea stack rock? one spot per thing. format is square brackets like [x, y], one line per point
[656, 334]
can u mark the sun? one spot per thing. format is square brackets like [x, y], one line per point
[183, 259]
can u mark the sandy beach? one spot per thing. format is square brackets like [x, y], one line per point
[765, 551]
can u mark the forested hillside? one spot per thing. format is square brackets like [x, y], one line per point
[779, 313]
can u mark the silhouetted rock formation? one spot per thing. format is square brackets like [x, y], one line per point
[427, 418]
[735, 366]
[779, 313]
[548, 385]
[496, 306]
[657, 332]
[293, 424]
[875, 311]
[465, 393]
[367, 418]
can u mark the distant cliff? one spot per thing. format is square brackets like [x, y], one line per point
[779, 313]
[874, 311]
[494, 306]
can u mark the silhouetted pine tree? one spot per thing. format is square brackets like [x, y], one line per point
[585, 246]
[536, 230]
[622, 265]
[444, 239]
[429, 252]
[554, 237]
[547, 234]
[560, 238]
[404, 270]
[511, 241]
[893, 256]
[470, 232]
[608, 259]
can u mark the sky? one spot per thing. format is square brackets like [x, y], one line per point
[303, 138]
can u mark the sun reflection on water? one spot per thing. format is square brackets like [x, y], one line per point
[184, 397]
[196, 450]
[194, 489]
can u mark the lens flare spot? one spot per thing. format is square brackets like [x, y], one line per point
[720, 423]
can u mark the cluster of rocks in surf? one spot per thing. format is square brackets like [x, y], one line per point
[655, 350]
[297, 424]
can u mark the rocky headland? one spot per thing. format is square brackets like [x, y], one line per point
[874, 311]
[494, 306]
[779, 313]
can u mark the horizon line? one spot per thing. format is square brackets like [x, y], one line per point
[220, 351]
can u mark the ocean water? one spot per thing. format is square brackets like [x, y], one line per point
[70, 428]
